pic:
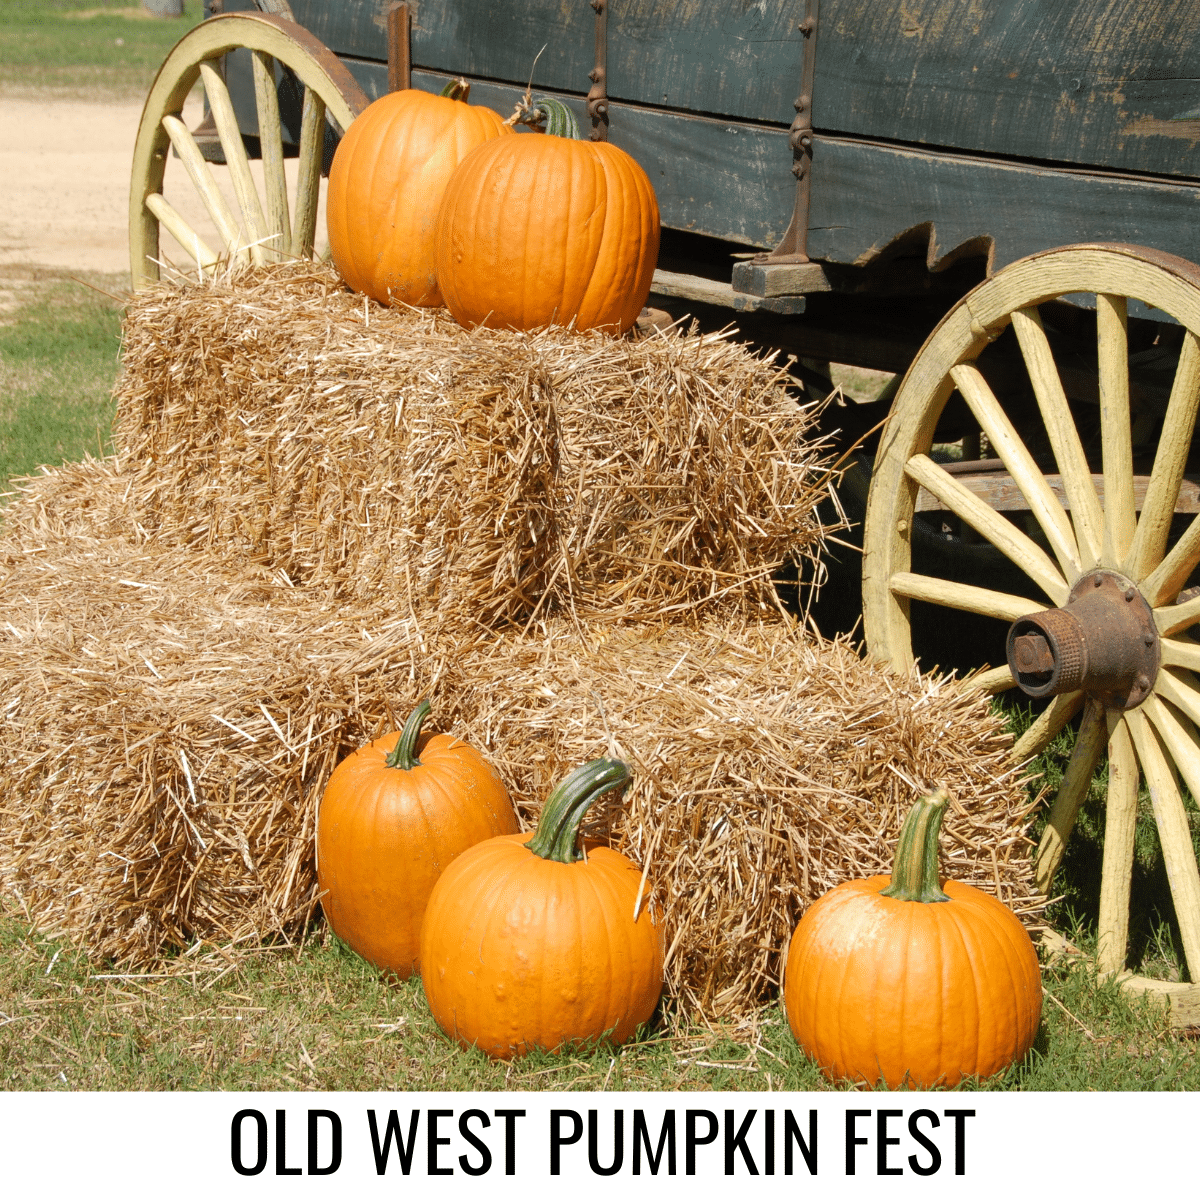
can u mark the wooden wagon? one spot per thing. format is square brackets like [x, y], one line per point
[993, 202]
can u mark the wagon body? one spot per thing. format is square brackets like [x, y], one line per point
[942, 129]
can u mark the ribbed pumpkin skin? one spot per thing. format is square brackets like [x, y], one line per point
[385, 835]
[537, 230]
[385, 186]
[519, 951]
[912, 994]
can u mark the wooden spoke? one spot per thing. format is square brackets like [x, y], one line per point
[1052, 719]
[1165, 581]
[270, 139]
[1064, 437]
[1116, 874]
[1174, 443]
[1026, 553]
[1174, 833]
[1178, 735]
[235, 158]
[182, 232]
[202, 179]
[1173, 617]
[1011, 450]
[1089, 746]
[1112, 341]
[991, 681]
[1180, 687]
[962, 596]
[312, 146]
[1176, 653]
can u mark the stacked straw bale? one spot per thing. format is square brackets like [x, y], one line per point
[769, 766]
[477, 478]
[195, 632]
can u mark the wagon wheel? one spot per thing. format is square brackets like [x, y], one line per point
[262, 229]
[1114, 640]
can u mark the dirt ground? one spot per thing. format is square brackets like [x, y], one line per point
[66, 171]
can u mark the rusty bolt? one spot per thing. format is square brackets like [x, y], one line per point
[1033, 654]
[806, 26]
[1130, 593]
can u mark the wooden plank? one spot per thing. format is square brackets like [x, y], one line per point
[733, 180]
[739, 60]
[712, 291]
[998, 488]
[781, 279]
[1102, 82]
[1096, 82]
[959, 198]
[469, 37]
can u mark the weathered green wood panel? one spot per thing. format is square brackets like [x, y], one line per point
[865, 194]
[1112, 83]
[738, 58]
[732, 180]
[491, 40]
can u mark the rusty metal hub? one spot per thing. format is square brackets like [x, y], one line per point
[1103, 642]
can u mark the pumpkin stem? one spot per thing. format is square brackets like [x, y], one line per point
[404, 755]
[558, 827]
[915, 871]
[457, 89]
[545, 115]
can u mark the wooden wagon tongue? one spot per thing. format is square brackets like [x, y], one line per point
[1103, 642]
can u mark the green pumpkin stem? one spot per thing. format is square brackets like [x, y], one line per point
[557, 832]
[457, 89]
[404, 755]
[545, 115]
[915, 871]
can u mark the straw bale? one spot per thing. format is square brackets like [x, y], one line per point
[769, 766]
[171, 719]
[318, 518]
[474, 477]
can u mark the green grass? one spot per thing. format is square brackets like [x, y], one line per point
[59, 348]
[85, 48]
[323, 1019]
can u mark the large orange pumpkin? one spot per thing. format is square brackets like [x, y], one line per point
[395, 813]
[893, 980]
[527, 942]
[386, 183]
[546, 229]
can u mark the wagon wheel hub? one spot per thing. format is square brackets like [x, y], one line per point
[1103, 641]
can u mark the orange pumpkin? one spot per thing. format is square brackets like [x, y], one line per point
[546, 229]
[386, 183]
[526, 942]
[893, 980]
[395, 813]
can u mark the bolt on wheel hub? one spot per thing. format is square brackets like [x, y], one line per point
[1103, 642]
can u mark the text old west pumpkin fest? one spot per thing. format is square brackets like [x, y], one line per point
[864, 1140]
